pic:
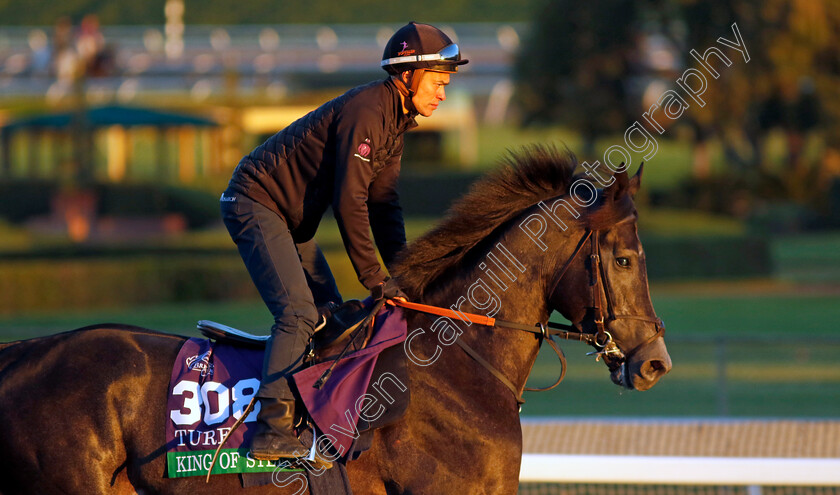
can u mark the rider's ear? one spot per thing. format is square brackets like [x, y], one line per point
[636, 181]
[405, 76]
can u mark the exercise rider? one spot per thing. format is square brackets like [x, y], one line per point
[345, 154]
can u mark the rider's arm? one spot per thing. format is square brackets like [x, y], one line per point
[386, 218]
[358, 132]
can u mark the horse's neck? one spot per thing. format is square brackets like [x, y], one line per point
[505, 281]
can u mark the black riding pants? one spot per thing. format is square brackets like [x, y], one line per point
[291, 278]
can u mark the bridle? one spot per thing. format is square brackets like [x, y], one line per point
[597, 277]
[601, 339]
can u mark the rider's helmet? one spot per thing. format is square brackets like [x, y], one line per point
[419, 47]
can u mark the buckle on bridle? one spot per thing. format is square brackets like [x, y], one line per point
[606, 335]
[607, 348]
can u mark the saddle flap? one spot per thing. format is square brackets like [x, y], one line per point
[230, 335]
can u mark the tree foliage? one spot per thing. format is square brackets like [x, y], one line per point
[579, 64]
[572, 67]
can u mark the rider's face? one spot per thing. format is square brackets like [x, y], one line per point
[430, 92]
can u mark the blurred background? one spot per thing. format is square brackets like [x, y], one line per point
[120, 124]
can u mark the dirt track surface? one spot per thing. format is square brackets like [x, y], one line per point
[713, 438]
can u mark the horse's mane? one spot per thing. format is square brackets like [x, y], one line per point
[534, 174]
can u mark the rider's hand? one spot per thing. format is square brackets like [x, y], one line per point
[388, 289]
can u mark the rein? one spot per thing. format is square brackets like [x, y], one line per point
[543, 331]
[601, 339]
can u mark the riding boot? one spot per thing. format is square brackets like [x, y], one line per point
[275, 436]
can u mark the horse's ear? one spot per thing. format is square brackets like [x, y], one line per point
[619, 186]
[636, 180]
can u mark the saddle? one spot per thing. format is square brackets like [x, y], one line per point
[342, 330]
[338, 327]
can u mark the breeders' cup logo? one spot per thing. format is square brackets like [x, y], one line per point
[201, 362]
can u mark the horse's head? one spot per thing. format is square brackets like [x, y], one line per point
[517, 209]
[603, 289]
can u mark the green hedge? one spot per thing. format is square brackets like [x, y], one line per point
[87, 283]
[24, 199]
[422, 194]
[707, 257]
[118, 278]
[102, 279]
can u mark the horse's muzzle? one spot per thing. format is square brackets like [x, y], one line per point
[643, 369]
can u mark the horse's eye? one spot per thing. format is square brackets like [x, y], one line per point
[623, 262]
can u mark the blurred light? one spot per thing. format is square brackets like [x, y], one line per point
[329, 63]
[659, 54]
[276, 91]
[56, 92]
[264, 63]
[153, 41]
[269, 40]
[174, 8]
[201, 90]
[128, 90]
[508, 38]
[16, 64]
[326, 38]
[498, 102]
[138, 63]
[174, 29]
[383, 35]
[219, 39]
[37, 40]
[447, 30]
[98, 94]
[174, 48]
[653, 92]
[204, 63]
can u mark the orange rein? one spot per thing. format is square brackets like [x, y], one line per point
[435, 310]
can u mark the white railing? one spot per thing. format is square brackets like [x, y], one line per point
[661, 470]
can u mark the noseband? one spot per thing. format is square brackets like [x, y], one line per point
[602, 340]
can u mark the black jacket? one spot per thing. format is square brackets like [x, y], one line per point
[345, 154]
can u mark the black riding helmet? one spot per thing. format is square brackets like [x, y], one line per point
[419, 47]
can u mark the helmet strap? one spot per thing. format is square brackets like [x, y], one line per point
[401, 87]
[413, 82]
[416, 75]
[409, 91]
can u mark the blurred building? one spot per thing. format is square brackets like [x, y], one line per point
[253, 79]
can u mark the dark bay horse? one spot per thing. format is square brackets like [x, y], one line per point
[83, 412]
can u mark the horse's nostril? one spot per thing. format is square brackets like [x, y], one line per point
[658, 367]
